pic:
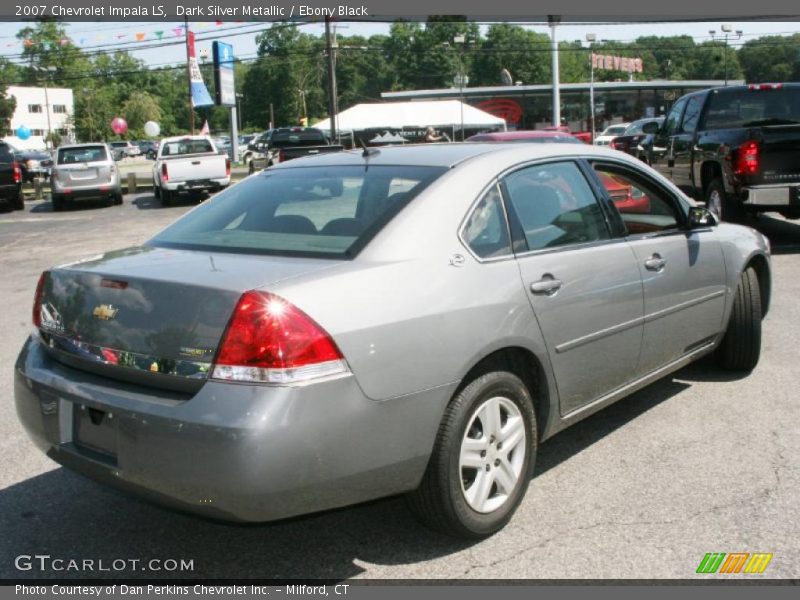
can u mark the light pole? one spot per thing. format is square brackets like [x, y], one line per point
[726, 29]
[553, 21]
[463, 80]
[591, 38]
[47, 71]
[239, 109]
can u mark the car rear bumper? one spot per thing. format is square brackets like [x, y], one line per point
[232, 451]
[93, 192]
[197, 185]
[780, 195]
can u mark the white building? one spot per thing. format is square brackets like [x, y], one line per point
[41, 110]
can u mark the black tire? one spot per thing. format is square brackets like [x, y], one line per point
[118, 199]
[58, 202]
[722, 205]
[19, 201]
[440, 501]
[166, 197]
[740, 349]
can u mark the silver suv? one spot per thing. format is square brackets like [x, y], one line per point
[85, 172]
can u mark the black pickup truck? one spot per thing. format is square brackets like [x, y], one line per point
[10, 179]
[285, 143]
[737, 148]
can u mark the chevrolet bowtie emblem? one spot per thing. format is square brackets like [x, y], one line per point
[105, 312]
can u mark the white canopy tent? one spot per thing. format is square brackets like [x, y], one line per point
[442, 114]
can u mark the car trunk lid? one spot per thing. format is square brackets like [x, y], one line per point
[152, 316]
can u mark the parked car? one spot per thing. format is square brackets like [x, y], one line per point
[122, 150]
[84, 172]
[10, 179]
[609, 133]
[634, 140]
[525, 136]
[34, 163]
[148, 148]
[411, 319]
[189, 164]
[735, 147]
[287, 143]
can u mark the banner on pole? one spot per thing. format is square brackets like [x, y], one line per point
[200, 95]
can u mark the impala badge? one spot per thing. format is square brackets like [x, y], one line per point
[105, 312]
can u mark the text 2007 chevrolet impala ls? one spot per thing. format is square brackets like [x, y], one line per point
[357, 325]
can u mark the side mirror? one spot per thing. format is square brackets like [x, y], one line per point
[651, 127]
[700, 216]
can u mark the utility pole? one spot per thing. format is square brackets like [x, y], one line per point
[333, 108]
[553, 21]
[591, 38]
[189, 74]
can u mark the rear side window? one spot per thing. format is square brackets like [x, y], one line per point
[305, 211]
[178, 147]
[6, 155]
[553, 205]
[486, 231]
[68, 156]
[753, 108]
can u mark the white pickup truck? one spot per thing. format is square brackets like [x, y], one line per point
[189, 164]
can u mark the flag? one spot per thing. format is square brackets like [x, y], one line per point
[200, 95]
[205, 130]
[159, 34]
[139, 36]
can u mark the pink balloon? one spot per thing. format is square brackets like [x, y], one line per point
[119, 125]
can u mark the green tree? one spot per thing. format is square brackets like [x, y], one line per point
[771, 59]
[138, 109]
[8, 75]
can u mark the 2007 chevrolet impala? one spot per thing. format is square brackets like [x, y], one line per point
[357, 325]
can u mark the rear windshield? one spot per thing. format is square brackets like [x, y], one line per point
[285, 139]
[615, 130]
[179, 147]
[306, 211]
[68, 156]
[753, 108]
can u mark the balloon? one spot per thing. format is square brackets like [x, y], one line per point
[152, 128]
[23, 132]
[119, 125]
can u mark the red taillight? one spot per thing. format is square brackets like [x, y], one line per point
[270, 340]
[615, 144]
[164, 173]
[747, 158]
[17, 173]
[764, 86]
[281, 155]
[227, 167]
[37, 300]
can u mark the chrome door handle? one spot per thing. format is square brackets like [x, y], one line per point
[546, 285]
[655, 263]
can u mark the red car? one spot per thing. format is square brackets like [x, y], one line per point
[529, 136]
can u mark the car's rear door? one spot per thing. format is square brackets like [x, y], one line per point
[583, 284]
[683, 270]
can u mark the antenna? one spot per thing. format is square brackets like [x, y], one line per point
[368, 151]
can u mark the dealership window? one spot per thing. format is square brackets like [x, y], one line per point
[63, 131]
[34, 108]
[59, 108]
[37, 132]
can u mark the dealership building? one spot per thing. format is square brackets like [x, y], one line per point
[40, 110]
[531, 106]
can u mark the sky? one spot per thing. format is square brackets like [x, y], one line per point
[245, 46]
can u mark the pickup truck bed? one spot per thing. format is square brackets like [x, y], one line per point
[189, 164]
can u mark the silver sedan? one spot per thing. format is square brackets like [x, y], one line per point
[405, 320]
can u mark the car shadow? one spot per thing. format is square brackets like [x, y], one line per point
[43, 207]
[147, 202]
[784, 235]
[65, 515]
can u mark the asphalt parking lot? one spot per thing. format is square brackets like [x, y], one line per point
[699, 462]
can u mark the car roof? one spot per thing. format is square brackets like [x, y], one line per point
[84, 145]
[448, 155]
